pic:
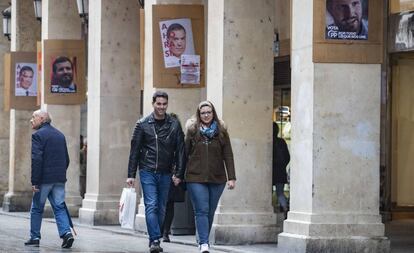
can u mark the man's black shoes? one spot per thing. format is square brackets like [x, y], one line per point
[67, 240]
[155, 247]
[32, 242]
[166, 238]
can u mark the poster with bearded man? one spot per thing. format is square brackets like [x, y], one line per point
[346, 20]
[62, 76]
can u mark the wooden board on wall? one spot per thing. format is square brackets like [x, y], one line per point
[348, 51]
[6, 94]
[284, 47]
[74, 50]
[39, 73]
[13, 62]
[142, 44]
[170, 77]
[397, 6]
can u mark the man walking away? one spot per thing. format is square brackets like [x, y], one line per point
[50, 161]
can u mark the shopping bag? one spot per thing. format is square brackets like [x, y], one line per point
[127, 206]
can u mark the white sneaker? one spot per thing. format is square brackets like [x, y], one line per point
[204, 248]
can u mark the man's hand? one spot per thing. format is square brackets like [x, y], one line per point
[231, 184]
[176, 180]
[130, 181]
[35, 189]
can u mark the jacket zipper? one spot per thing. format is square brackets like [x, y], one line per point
[207, 161]
[170, 133]
[156, 148]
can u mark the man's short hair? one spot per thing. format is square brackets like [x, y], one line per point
[329, 3]
[159, 94]
[44, 114]
[61, 59]
[25, 68]
[174, 27]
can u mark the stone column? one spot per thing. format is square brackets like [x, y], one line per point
[60, 20]
[334, 204]
[113, 105]
[240, 84]
[182, 102]
[4, 117]
[25, 34]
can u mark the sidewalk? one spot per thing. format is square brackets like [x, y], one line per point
[179, 243]
[108, 238]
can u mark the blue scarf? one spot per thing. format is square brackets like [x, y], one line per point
[211, 131]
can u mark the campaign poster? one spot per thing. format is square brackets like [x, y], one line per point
[176, 40]
[190, 69]
[346, 20]
[25, 79]
[63, 74]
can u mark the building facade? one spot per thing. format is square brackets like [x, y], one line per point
[347, 103]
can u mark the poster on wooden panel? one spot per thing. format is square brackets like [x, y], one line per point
[20, 73]
[178, 46]
[348, 31]
[64, 72]
[401, 32]
[39, 73]
[142, 45]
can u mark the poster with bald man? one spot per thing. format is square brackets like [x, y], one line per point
[346, 20]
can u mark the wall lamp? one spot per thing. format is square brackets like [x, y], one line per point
[83, 9]
[7, 22]
[38, 9]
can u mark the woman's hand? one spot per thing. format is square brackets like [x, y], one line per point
[231, 184]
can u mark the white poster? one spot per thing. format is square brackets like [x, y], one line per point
[176, 39]
[26, 79]
[190, 69]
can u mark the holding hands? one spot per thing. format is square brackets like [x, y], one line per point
[176, 180]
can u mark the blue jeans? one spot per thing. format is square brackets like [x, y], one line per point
[205, 197]
[281, 198]
[56, 194]
[155, 188]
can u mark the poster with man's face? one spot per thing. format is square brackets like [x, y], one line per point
[63, 74]
[26, 79]
[176, 39]
[346, 20]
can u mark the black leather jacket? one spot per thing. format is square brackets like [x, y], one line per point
[158, 152]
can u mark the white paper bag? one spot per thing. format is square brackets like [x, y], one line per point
[127, 206]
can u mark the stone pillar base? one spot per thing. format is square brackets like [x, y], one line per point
[17, 201]
[292, 243]
[73, 204]
[244, 228]
[102, 211]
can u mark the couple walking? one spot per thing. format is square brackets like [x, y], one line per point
[204, 160]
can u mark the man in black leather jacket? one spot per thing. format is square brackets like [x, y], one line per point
[157, 145]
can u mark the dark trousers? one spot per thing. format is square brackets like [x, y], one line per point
[169, 216]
